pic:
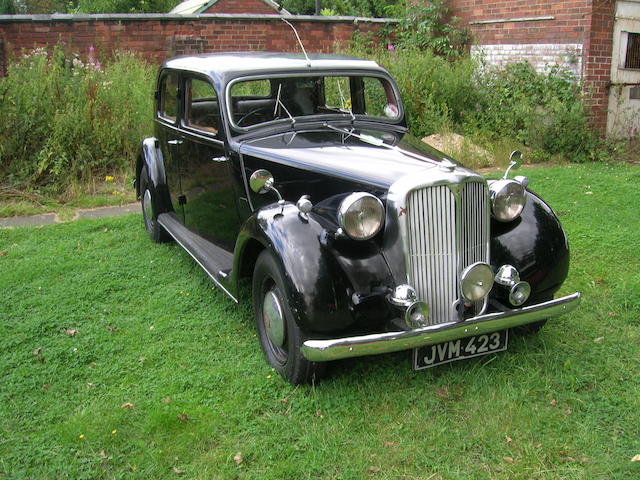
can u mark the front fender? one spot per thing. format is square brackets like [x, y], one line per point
[320, 279]
[536, 245]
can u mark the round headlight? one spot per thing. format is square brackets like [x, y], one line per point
[361, 215]
[507, 199]
[476, 281]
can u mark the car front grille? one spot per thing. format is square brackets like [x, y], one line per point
[448, 230]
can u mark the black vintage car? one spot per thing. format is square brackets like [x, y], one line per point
[299, 173]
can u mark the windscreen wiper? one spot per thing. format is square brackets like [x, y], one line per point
[280, 104]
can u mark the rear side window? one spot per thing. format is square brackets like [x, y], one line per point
[168, 102]
[202, 111]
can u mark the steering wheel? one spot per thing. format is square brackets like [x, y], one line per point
[253, 112]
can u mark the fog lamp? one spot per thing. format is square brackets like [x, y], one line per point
[416, 315]
[519, 293]
[476, 281]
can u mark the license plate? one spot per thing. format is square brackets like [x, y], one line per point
[433, 355]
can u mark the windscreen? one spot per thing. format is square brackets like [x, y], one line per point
[263, 100]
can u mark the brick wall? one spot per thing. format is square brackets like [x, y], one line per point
[240, 6]
[598, 50]
[524, 21]
[158, 37]
[583, 26]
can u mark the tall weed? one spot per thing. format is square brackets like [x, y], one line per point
[543, 111]
[67, 120]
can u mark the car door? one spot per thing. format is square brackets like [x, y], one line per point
[208, 195]
[168, 134]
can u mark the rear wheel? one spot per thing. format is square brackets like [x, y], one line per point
[156, 232]
[280, 336]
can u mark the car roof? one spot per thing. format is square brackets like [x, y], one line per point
[225, 66]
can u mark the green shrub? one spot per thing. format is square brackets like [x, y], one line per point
[429, 26]
[66, 121]
[542, 111]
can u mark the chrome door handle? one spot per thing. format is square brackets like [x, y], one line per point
[220, 159]
[175, 142]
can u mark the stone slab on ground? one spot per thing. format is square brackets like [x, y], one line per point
[102, 212]
[28, 221]
[49, 218]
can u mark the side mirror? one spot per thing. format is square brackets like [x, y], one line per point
[515, 160]
[261, 181]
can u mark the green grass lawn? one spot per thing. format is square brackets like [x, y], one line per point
[119, 360]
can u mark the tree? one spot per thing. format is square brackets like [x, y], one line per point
[358, 8]
[124, 6]
[7, 7]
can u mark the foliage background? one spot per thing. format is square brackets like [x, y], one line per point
[66, 120]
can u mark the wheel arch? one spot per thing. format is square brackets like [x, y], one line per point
[151, 157]
[316, 287]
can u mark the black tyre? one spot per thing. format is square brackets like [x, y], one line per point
[156, 232]
[280, 336]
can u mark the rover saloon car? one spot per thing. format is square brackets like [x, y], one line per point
[299, 174]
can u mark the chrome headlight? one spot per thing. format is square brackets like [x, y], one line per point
[508, 198]
[361, 215]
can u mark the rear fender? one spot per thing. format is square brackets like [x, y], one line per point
[151, 157]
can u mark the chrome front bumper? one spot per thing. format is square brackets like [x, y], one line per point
[334, 349]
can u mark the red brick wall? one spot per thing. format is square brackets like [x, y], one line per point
[587, 22]
[159, 37]
[241, 6]
[568, 25]
[598, 50]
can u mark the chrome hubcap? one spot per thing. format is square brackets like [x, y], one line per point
[273, 318]
[147, 208]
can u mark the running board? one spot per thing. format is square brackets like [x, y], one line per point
[215, 261]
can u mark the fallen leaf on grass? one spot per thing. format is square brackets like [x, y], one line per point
[389, 444]
[612, 314]
[177, 471]
[102, 454]
[598, 340]
[3, 253]
[508, 459]
[237, 458]
[166, 400]
[127, 405]
[37, 351]
[45, 387]
[183, 417]
[508, 439]
[71, 332]
[553, 402]
[636, 458]
[111, 328]
[442, 393]
[373, 469]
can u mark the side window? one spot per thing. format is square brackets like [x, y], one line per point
[202, 111]
[168, 105]
[379, 98]
[632, 54]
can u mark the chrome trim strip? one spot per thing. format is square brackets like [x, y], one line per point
[334, 349]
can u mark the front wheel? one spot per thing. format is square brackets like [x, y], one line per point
[280, 336]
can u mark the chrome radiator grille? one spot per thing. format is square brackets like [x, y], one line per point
[447, 231]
